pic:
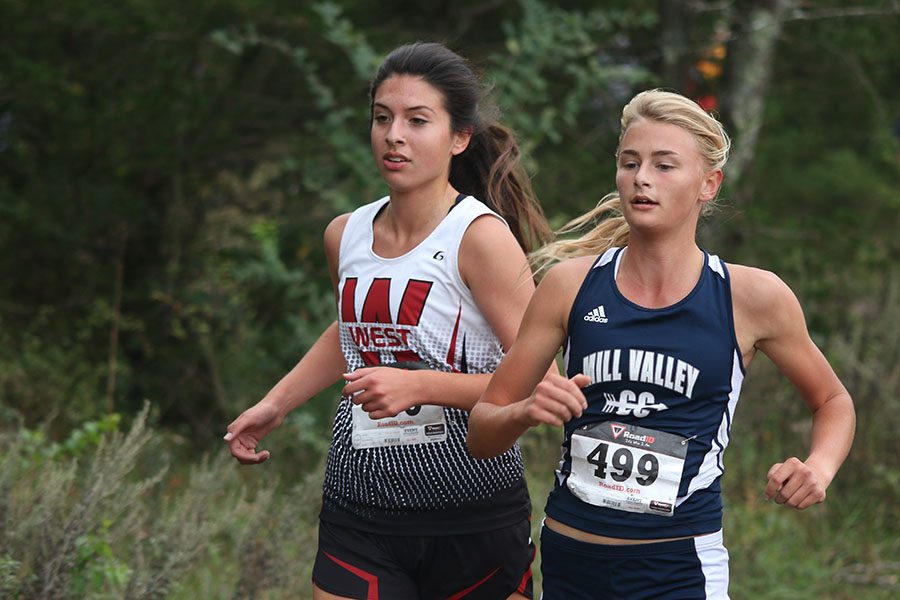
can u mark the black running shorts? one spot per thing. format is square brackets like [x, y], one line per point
[488, 565]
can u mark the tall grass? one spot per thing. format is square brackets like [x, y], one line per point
[114, 521]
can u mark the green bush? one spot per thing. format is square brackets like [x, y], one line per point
[97, 517]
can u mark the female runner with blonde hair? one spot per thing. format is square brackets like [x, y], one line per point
[657, 336]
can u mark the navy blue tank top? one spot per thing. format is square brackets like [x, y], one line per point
[674, 370]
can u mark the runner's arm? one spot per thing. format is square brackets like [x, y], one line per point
[781, 334]
[324, 363]
[320, 367]
[522, 393]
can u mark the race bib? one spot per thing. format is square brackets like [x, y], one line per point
[416, 425]
[626, 467]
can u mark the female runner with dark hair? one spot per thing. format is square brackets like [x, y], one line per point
[433, 275]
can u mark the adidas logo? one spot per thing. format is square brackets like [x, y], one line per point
[598, 315]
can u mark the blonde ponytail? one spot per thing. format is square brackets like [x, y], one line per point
[606, 228]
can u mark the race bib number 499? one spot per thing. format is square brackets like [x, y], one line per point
[626, 467]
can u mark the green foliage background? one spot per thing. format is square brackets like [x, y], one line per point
[167, 170]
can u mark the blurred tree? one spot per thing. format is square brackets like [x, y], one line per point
[754, 30]
[126, 130]
[166, 170]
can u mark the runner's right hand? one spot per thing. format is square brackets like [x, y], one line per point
[556, 400]
[248, 430]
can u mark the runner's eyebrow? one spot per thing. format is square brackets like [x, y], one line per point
[407, 109]
[654, 153]
[665, 153]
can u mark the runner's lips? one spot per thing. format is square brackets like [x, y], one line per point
[394, 161]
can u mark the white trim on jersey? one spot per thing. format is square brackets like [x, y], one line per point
[713, 558]
[712, 466]
[605, 257]
[715, 263]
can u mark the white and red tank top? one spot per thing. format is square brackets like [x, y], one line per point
[416, 308]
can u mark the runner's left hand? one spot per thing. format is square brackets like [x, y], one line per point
[382, 391]
[794, 483]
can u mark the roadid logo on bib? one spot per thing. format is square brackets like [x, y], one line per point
[426, 424]
[626, 467]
